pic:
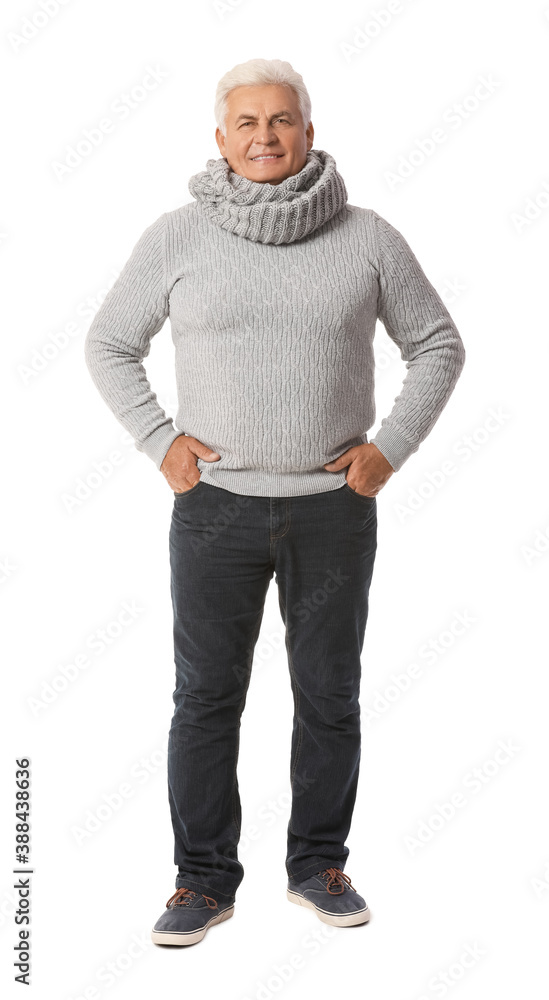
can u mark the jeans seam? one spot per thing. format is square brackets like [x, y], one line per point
[297, 697]
[297, 705]
[240, 709]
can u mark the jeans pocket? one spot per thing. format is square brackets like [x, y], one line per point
[359, 496]
[183, 496]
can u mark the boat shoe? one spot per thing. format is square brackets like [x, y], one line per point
[188, 916]
[330, 894]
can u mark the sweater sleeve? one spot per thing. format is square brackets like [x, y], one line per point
[417, 320]
[119, 337]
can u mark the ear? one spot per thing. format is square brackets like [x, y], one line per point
[220, 139]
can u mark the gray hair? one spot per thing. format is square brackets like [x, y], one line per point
[257, 72]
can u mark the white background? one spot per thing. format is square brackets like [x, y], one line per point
[474, 544]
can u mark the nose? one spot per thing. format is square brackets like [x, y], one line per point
[263, 133]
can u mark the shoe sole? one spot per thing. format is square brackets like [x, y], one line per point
[190, 937]
[336, 919]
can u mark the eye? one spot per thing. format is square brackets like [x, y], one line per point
[276, 119]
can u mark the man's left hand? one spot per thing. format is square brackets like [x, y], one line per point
[369, 469]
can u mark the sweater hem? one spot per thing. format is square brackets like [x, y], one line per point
[272, 484]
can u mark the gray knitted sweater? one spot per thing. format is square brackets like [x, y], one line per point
[273, 292]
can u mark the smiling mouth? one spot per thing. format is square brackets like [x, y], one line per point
[269, 156]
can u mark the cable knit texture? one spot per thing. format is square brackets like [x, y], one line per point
[271, 213]
[273, 293]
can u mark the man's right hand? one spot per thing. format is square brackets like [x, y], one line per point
[179, 466]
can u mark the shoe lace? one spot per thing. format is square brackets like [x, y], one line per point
[337, 877]
[182, 897]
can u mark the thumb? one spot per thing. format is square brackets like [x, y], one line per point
[339, 463]
[206, 453]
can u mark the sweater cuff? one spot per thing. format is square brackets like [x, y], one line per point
[157, 444]
[393, 445]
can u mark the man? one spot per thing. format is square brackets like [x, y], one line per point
[273, 284]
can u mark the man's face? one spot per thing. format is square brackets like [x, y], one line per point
[264, 121]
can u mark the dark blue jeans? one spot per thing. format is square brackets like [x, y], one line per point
[224, 549]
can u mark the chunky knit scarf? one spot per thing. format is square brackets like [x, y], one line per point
[271, 213]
